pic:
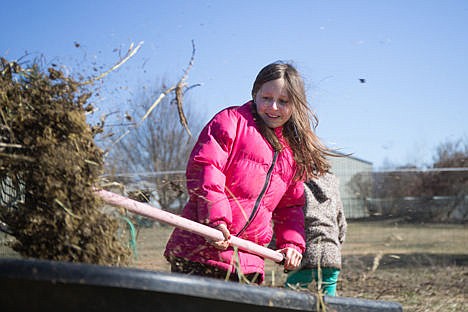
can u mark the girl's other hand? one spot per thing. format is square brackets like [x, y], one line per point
[223, 244]
[292, 258]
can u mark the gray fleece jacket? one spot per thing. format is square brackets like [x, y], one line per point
[325, 223]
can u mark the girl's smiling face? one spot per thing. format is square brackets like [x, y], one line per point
[272, 101]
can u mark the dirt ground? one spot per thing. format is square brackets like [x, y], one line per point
[424, 267]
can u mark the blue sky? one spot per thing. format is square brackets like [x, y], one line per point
[413, 55]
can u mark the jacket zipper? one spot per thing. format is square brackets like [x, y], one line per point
[260, 196]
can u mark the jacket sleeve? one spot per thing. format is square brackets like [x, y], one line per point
[342, 224]
[341, 220]
[288, 218]
[205, 177]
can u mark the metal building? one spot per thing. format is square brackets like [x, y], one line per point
[344, 168]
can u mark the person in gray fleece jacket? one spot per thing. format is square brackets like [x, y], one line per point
[325, 226]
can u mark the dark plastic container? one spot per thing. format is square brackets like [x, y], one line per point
[39, 285]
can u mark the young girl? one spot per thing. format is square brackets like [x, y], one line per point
[246, 174]
[325, 225]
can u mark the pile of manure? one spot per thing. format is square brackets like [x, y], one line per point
[49, 164]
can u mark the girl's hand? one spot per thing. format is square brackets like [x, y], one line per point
[292, 258]
[223, 244]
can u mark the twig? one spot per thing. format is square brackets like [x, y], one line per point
[67, 210]
[178, 88]
[130, 53]
[11, 145]
[153, 106]
[5, 126]
[179, 92]
[91, 162]
[21, 157]
[376, 262]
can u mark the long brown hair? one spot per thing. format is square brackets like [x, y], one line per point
[299, 131]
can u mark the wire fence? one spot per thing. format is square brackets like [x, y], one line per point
[166, 190]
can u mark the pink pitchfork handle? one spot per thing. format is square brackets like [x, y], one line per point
[186, 224]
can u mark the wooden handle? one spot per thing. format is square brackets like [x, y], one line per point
[186, 224]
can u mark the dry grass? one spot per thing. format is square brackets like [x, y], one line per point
[371, 237]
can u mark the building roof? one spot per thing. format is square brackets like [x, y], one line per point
[353, 157]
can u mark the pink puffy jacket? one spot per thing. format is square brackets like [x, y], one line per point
[233, 174]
